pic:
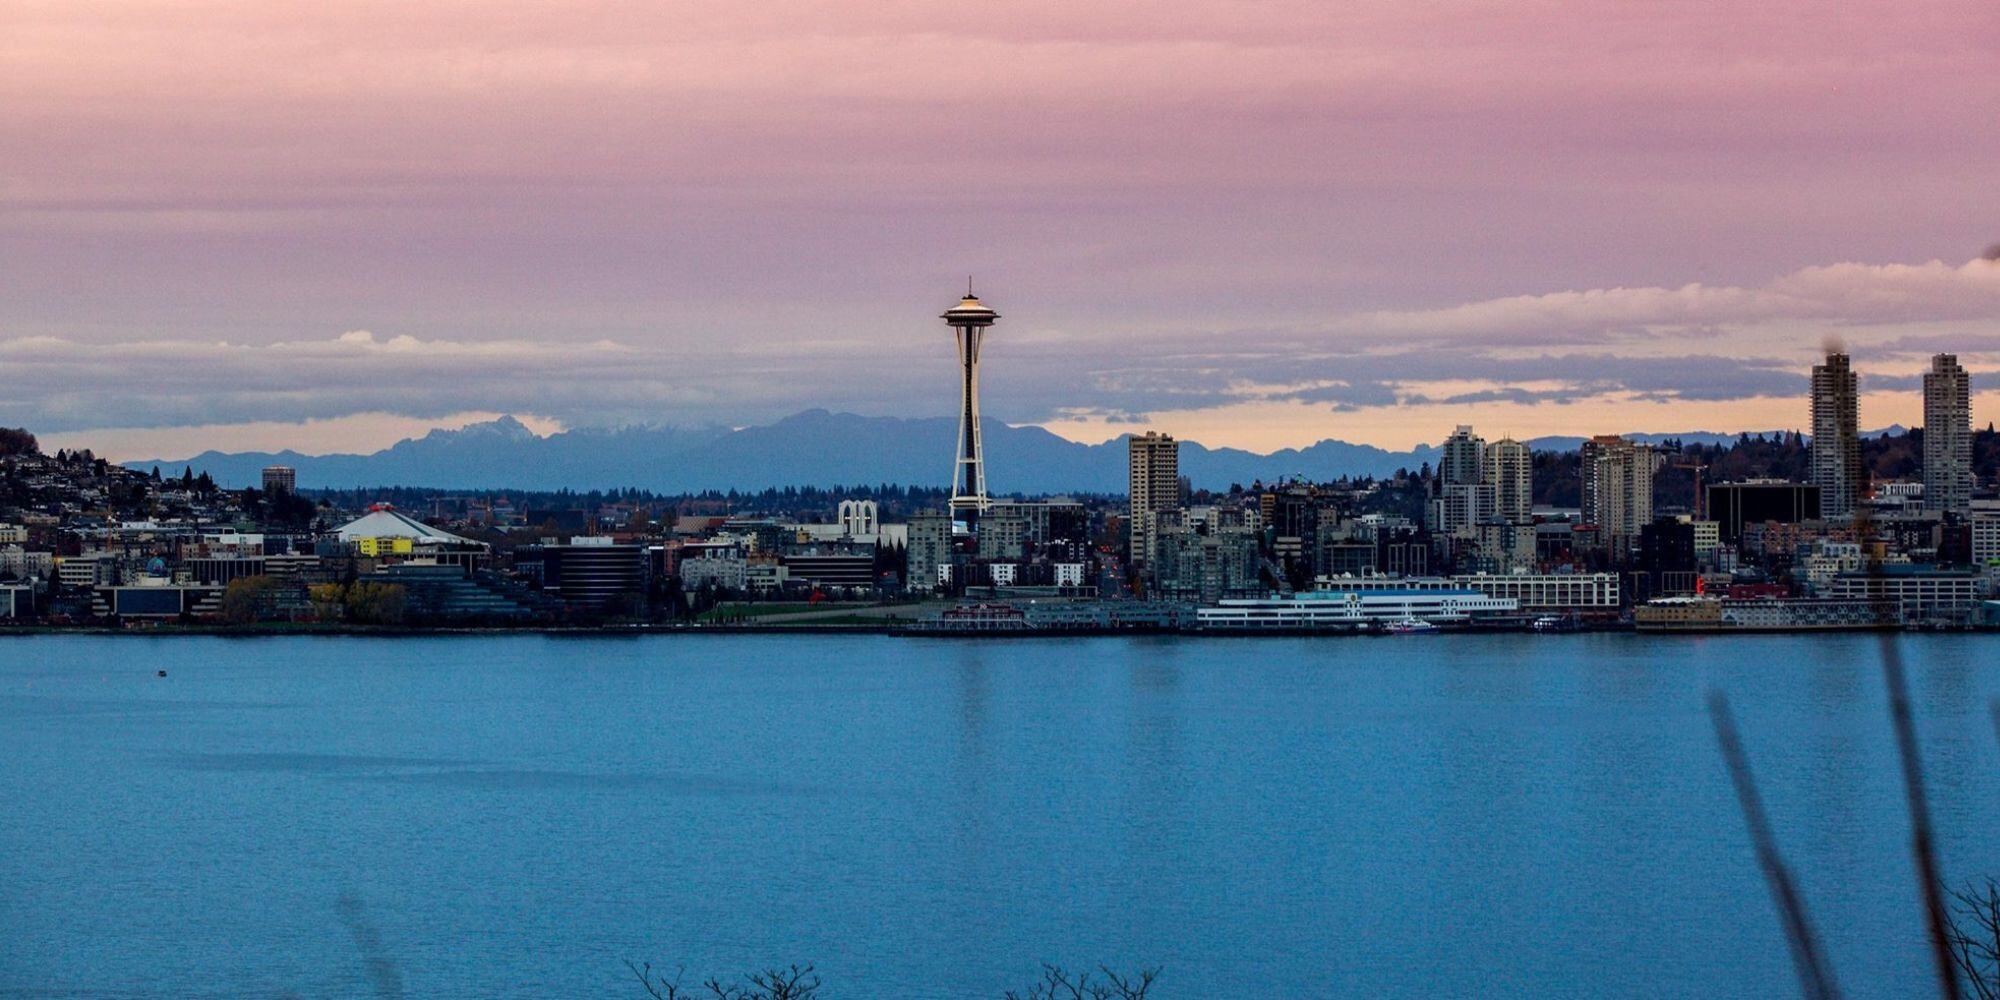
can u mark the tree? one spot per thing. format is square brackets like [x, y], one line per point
[246, 598]
[793, 983]
[1974, 933]
[799, 982]
[329, 601]
[17, 441]
[362, 602]
[371, 603]
[1058, 984]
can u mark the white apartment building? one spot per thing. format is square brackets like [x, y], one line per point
[724, 572]
[87, 571]
[1548, 591]
[21, 564]
[1986, 535]
[1924, 594]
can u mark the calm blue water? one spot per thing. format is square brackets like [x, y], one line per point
[516, 816]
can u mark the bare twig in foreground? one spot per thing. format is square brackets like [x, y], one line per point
[1922, 844]
[1808, 959]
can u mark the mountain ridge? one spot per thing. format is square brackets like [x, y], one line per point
[813, 447]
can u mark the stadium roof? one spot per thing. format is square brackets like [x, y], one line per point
[386, 523]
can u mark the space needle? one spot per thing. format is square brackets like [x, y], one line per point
[969, 320]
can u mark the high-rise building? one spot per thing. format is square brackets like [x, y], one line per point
[280, 478]
[968, 321]
[1836, 438]
[1510, 470]
[928, 553]
[1463, 458]
[1155, 466]
[1459, 506]
[1947, 436]
[1618, 488]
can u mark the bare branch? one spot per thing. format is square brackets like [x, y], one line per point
[1808, 960]
[1922, 843]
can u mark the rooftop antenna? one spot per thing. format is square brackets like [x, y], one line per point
[968, 287]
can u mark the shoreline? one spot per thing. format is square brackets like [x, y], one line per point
[899, 630]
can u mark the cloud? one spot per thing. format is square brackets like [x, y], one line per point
[1687, 344]
[1845, 295]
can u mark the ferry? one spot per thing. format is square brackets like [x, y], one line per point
[1409, 626]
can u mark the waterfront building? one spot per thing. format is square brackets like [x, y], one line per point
[592, 571]
[1154, 479]
[1764, 614]
[435, 592]
[1573, 592]
[1510, 470]
[1836, 438]
[1947, 436]
[968, 321]
[1544, 592]
[158, 599]
[1618, 489]
[1924, 593]
[1353, 608]
[280, 479]
[1136, 615]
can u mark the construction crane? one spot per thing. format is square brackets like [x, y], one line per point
[1700, 501]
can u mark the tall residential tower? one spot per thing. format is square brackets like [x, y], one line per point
[1618, 488]
[969, 320]
[1511, 471]
[1948, 436]
[1462, 458]
[1836, 438]
[1155, 488]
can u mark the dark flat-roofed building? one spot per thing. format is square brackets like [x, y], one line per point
[1733, 505]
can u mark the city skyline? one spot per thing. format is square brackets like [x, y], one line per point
[355, 225]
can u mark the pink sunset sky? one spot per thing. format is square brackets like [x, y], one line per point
[329, 226]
